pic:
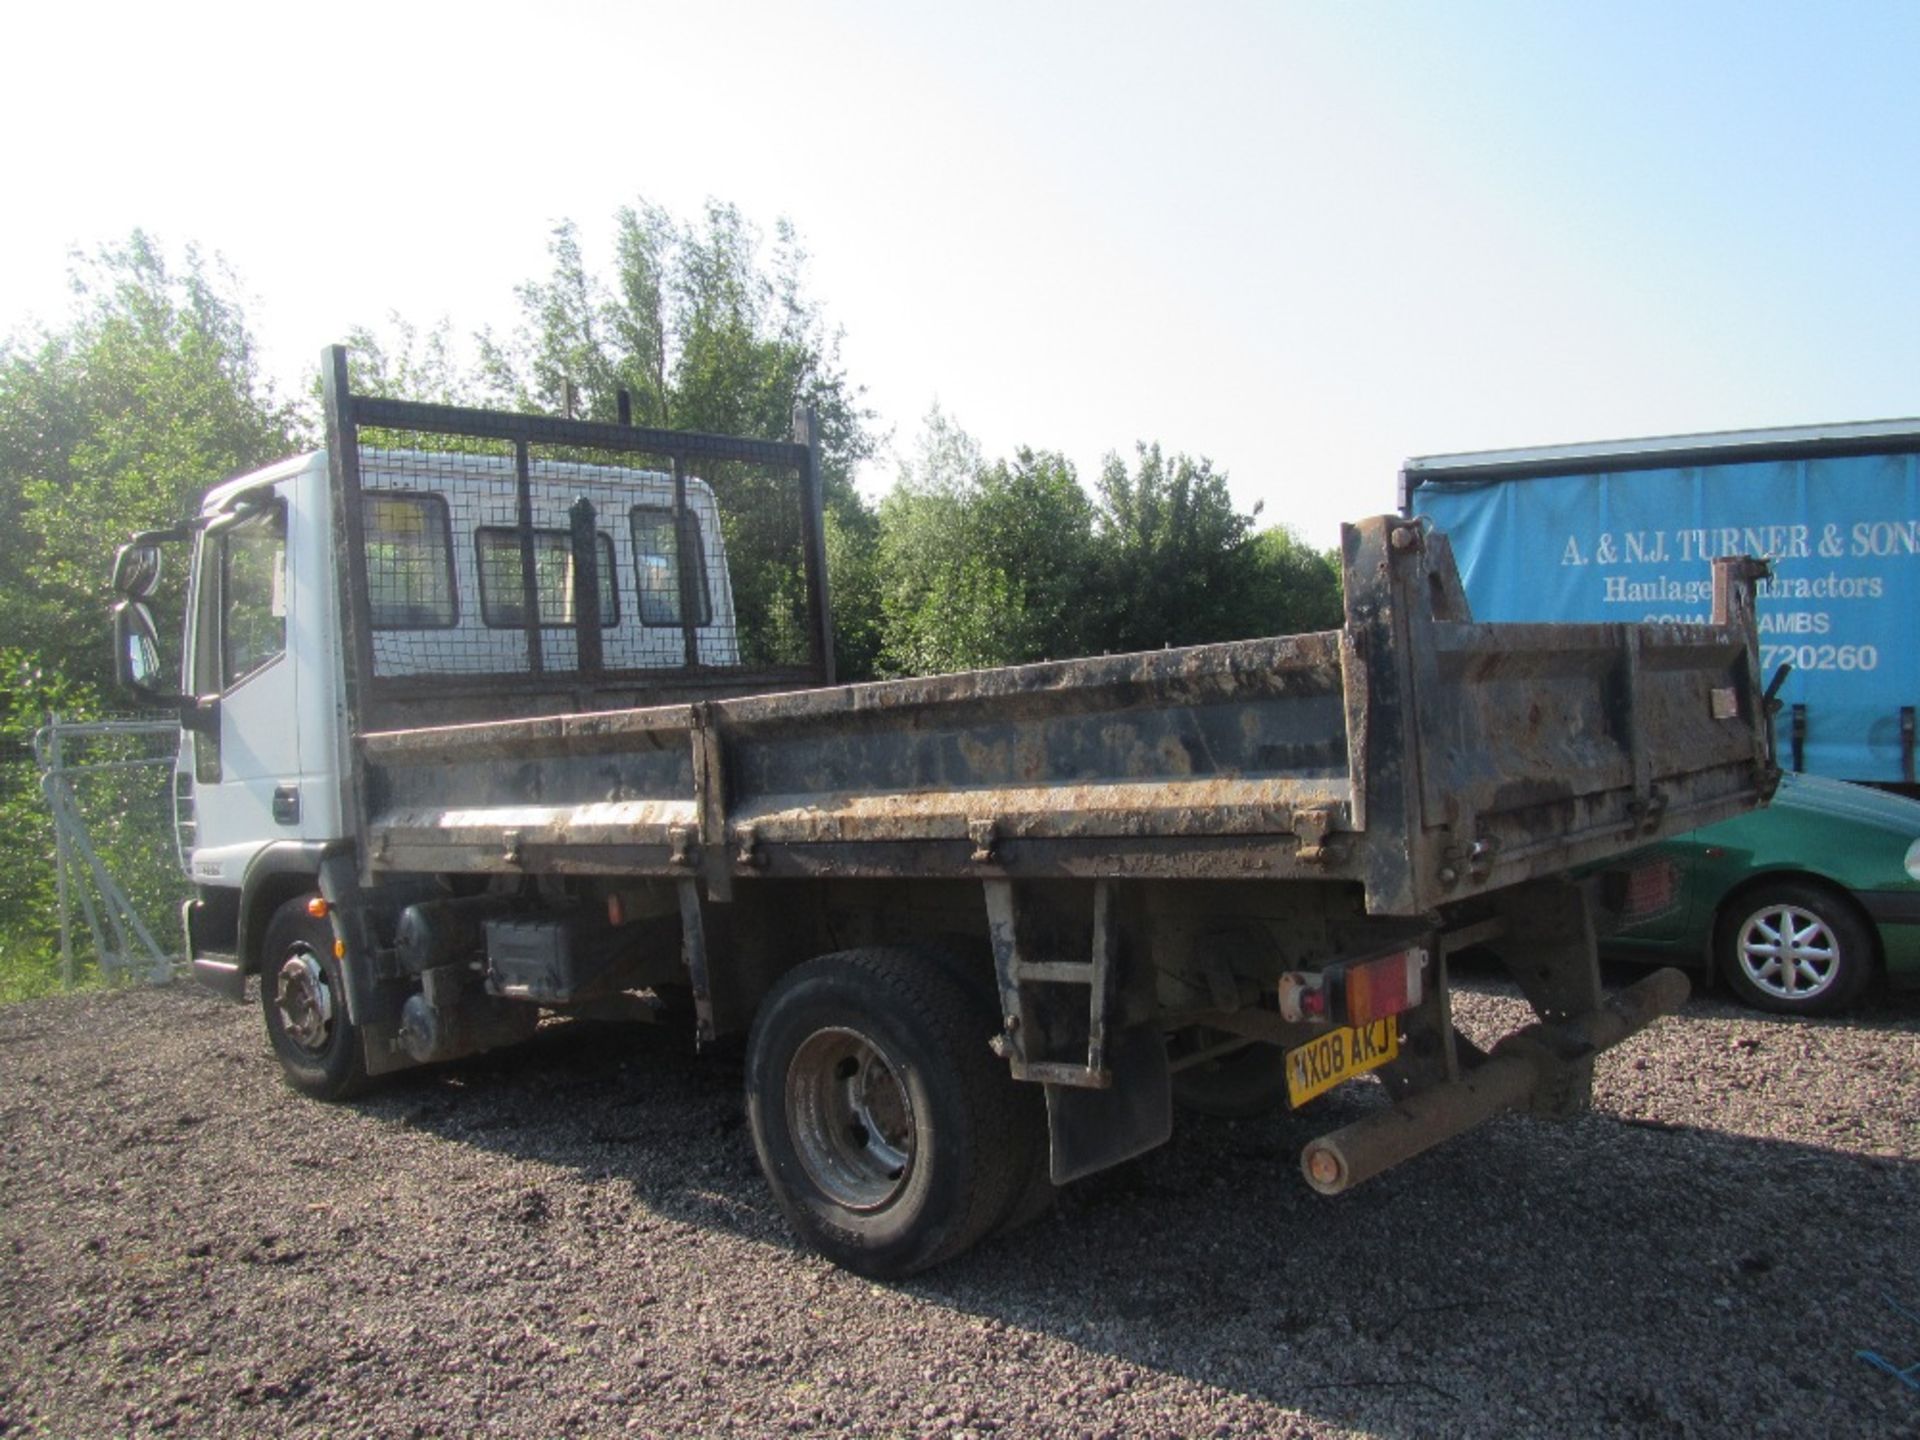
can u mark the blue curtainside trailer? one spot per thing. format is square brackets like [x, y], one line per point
[1617, 531]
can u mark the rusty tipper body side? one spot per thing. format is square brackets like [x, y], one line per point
[982, 931]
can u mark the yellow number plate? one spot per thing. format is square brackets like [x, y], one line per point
[1324, 1062]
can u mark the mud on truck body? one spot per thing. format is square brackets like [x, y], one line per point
[488, 717]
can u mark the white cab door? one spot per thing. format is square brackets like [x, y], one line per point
[246, 774]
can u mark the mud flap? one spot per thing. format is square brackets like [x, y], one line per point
[372, 1006]
[1093, 1129]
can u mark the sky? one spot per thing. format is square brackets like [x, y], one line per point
[1303, 240]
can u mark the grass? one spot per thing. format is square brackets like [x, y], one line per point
[30, 966]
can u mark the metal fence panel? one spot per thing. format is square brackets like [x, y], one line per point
[108, 785]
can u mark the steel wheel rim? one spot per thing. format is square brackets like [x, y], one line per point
[305, 1001]
[851, 1119]
[1788, 953]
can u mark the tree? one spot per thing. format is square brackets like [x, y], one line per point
[406, 363]
[1295, 588]
[28, 898]
[1001, 562]
[853, 546]
[1037, 523]
[981, 564]
[935, 613]
[706, 327]
[115, 424]
[1175, 563]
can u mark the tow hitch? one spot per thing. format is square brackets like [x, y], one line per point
[1527, 1063]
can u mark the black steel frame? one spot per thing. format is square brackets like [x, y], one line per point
[588, 684]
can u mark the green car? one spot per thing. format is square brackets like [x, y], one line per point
[1799, 905]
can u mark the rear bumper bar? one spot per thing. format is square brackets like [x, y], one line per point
[1524, 1063]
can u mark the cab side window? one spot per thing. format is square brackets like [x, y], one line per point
[656, 556]
[409, 550]
[502, 597]
[242, 621]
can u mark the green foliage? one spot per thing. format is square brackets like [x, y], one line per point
[704, 324]
[1037, 524]
[115, 424]
[930, 579]
[707, 328]
[406, 363]
[29, 956]
[1175, 565]
[853, 567]
[981, 564]
[1001, 562]
[1295, 588]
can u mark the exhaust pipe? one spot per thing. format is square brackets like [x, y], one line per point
[1521, 1064]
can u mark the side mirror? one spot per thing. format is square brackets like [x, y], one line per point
[136, 570]
[136, 644]
[137, 666]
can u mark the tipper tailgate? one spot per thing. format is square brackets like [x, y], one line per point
[1532, 748]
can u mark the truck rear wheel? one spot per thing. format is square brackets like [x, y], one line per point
[304, 997]
[891, 1136]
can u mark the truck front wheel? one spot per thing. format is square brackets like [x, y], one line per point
[304, 998]
[891, 1136]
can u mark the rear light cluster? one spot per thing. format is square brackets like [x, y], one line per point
[1384, 987]
[1356, 994]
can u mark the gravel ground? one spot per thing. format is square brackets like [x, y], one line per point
[574, 1241]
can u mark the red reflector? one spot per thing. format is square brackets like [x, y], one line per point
[1384, 987]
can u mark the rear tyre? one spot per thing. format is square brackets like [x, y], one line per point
[1036, 1194]
[1794, 948]
[304, 998]
[891, 1136]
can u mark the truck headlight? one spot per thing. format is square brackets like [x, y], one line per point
[1913, 860]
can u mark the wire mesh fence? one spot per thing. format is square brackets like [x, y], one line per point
[109, 792]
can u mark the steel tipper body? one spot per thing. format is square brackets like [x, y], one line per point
[1418, 757]
[982, 931]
